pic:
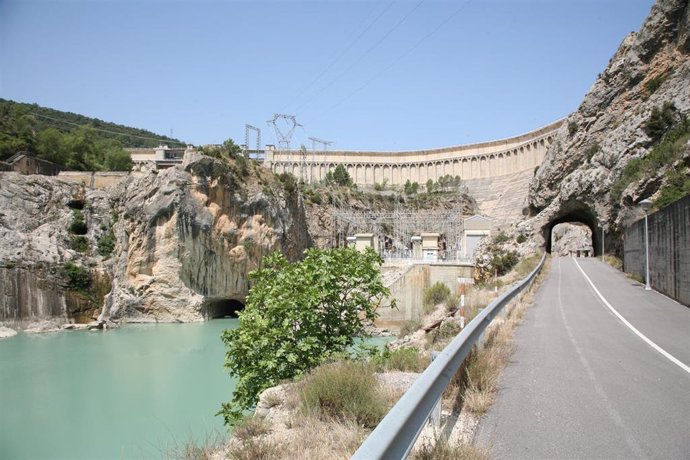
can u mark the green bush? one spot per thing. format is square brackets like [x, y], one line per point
[660, 121]
[78, 278]
[434, 295]
[677, 186]
[667, 152]
[288, 181]
[521, 238]
[78, 225]
[654, 83]
[80, 243]
[297, 316]
[405, 359]
[501, 238]
[572, 128]
[106, 243]
[346, 391]
[592, 150]
[503, 260]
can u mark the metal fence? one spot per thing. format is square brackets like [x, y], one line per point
[669, 250]
[394, 437]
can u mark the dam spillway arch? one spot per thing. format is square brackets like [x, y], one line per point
[472, 161]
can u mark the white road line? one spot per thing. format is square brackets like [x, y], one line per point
[668, 355]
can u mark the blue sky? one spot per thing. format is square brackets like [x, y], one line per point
[377, 75]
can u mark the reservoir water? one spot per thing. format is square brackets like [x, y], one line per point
[132, 392]
[129, 393]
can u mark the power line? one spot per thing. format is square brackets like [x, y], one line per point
[159, 139]
[399, 58]
[340, 55]
[366, 53]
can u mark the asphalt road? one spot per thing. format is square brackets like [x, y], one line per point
[582, 384]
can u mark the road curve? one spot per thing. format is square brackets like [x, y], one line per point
[583, 384]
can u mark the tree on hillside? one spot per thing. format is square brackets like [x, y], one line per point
[297, 316]
[339, 176]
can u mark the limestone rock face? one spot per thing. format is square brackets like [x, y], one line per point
[592, 147]
[183, 238]
[191, 235]
[35, 243]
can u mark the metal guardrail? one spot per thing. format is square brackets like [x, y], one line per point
[395, 435]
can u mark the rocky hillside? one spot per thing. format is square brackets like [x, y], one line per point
[161, 246]
[628, 139]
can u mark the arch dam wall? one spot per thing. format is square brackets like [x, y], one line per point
[470, 162]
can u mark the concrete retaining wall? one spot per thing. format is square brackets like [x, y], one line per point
[409, 290]
[669, 250]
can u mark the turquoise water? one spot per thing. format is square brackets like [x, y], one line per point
[132, 392]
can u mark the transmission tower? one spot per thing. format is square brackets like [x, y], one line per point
[284, 136]
[314, 141]
[248, 128]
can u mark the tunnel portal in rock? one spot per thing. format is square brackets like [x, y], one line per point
[222, 308]
[581, 214]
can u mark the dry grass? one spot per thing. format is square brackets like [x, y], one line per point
[256, 449]
[613, 261]
[475, 385]
[318, 440]
[346, 391]
[251, 427]
[196, 450]
[406, 359]
[440, 450]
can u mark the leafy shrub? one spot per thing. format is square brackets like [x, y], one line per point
[503, 260]
[242, 165]
[501, 238]
[592, 150]
[316, 197]
[298, 315]
[78, 225]
[435, 295]
[653, 84]
[572, 128]
[521, 238]
[346, 391]
[660, 121]
[288, 181]
[106, 243]
[677, 186]
[80, 243]
[78, 278]
[667, 152]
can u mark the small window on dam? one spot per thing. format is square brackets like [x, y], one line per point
[222, 308]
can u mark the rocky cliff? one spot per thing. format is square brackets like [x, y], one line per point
[174, 245]
[626, 140]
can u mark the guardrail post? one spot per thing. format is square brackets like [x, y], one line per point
[435, 417]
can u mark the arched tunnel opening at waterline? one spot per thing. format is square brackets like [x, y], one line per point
[222, 308]
[575, 233]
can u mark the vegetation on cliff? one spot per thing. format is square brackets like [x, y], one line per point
[297, 316]
[68, 139]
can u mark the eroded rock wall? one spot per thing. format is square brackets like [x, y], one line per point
[192, 234]
[183, 237]
[35, 245]
[592, 147]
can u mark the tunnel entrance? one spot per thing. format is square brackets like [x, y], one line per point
[581, 220]
[571, 239]
[222, 308]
